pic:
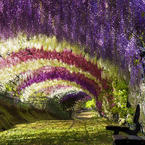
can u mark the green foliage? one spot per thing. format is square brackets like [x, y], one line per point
[11, 89]
[91, 104]
[119, 92]
[141, 37]
[54, 106]
[79, 105]
[38, 100]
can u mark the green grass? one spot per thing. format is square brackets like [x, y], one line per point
[59, 132]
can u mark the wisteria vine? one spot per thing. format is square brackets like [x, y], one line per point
[105, 29]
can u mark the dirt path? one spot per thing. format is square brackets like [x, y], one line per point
[85, 115]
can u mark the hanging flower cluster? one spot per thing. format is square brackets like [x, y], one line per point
[22, 41]
[65, 56]
[104, 27]
[25, 68]
[61, 73]
[29, 91]
[52, 89]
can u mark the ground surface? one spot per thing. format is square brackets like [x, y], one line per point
[85, 115]
[82, 131]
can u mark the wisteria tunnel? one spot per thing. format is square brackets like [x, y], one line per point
[65, 50]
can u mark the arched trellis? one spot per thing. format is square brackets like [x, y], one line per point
[34, 65]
